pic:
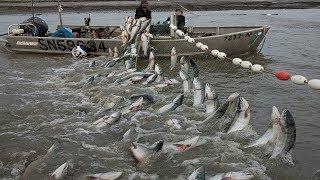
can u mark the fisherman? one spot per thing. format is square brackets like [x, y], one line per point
[181, 20]
[143, 11]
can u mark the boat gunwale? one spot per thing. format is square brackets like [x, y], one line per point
[159, 40]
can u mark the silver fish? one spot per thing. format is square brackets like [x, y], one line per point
[151, 65]
[198, 97]
[150, 79]
[174, 58]
[186, 83]
[32, 171]
[158, 70]
[228, 109]
[287, 138]
[198, 174]
[129, 76]
[184, 64]
[62, 170]
[130, 135]
[212, 102]
[135, 106]
[175, 123]
[242, 118]
[141, 151]
[135, 31]
[270, 136]
[172, 106]
[129, 24]
[185, 145]
[241, 175]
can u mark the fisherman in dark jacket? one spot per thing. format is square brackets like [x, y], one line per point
[181, 20]
[143, 11]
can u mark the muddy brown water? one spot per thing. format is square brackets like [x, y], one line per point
[39, 105]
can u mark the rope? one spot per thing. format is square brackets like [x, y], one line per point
[281, 75]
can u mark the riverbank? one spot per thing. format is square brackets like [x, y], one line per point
[196, 5]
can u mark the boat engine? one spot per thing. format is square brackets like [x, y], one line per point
[35, 26]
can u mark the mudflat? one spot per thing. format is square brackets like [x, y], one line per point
[24, 6]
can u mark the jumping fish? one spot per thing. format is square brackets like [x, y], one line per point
[146, 97]
[130, 135]
[173, 105]
[158, 70]
[62, 170]
[242, 116]
[184, 64]
[174, 58]
[186, 83]
[198, 97]
[35, 167]
[107, 120]
[175, 123]
[150, 79]
[129, 24]
[287, 138]
[135, 106]
[198, 174]
[187, 144]
[212, 102]
[272, 133]
[105, 176]
[241, 175]
[150, 67]
[135, 31]
[129, 76]
[145, 41]
[229, 108]
[141, 151]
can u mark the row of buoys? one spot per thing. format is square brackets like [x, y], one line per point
[281, 75]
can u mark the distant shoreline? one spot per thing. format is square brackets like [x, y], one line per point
[20, 6]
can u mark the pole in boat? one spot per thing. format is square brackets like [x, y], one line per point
[60, 10]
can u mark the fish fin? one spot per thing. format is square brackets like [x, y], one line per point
[158, 146]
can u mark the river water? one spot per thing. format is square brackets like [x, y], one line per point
[43, 100]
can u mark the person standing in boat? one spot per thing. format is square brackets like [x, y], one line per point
[181, 20]
[143, 11]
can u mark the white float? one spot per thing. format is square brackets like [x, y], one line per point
[191, 40]
[199, 44]
[187, 37]
[314, 84]
[237, 61]
[298, 79]
[222, 55]
[214, 52]
[246, 64]
[257, 68]
[204, 47]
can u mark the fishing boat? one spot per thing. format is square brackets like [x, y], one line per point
[231, 40]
